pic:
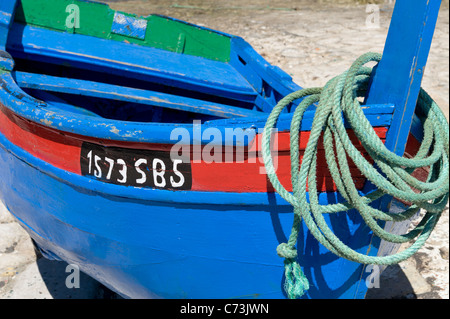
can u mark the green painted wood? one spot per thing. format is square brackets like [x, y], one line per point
[96, 19]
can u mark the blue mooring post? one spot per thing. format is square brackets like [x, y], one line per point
[398, 77]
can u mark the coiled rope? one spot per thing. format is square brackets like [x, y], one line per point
[339, 98]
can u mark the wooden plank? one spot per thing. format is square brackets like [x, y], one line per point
[378, 116]
[7, 9]
[97, 20]
[397, 80]
[398, 77]
[130, 61]
[108, 91]
[256, 68]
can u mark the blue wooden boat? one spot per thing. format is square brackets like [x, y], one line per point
[93, 103]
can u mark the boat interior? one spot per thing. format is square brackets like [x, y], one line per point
[118, 78]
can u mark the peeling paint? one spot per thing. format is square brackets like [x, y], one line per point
[114, 130]
[46, 122]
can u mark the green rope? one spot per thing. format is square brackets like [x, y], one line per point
[339, 98]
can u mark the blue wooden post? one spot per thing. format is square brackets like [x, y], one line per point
[397, 80]
[398, 77]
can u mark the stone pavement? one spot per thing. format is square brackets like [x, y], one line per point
[313, 42]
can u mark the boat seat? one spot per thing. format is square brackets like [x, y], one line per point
[119, 93]
[119, 58]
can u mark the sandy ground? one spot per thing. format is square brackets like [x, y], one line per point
[311, 40]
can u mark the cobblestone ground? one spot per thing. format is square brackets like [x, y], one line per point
[311, 40]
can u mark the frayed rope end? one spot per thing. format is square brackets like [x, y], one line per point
[296, 283]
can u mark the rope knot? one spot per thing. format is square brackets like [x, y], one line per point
[286, 251]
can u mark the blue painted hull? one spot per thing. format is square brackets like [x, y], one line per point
[62, 105]
[160, 247]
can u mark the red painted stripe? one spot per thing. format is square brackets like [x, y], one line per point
[49, 145]
[250, 177]
[250, 173]
[63, 150]
[421, 173]
[284, 143]
[412, 146]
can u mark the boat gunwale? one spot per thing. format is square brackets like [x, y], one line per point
[85, 183]
[24, 105]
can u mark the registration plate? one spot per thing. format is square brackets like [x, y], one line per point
[135, 167]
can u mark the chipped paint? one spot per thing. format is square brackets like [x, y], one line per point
[114, 130]
[129, 26]
[46, 122]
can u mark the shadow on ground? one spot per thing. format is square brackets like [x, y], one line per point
[393, 284]
[58, 276]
